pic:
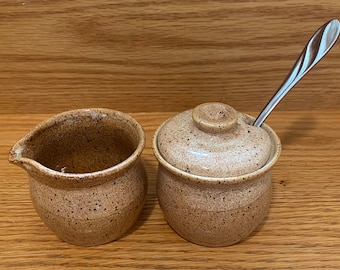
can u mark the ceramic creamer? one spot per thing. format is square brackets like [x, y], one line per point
[86, 177]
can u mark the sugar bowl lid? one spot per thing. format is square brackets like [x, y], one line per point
[213, 140]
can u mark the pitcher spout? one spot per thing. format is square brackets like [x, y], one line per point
[18, 155]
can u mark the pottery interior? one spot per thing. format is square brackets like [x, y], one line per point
[87, 180]
[215, 211]
[83, 143]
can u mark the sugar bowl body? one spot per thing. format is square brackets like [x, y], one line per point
[214, 174]
[87, 180]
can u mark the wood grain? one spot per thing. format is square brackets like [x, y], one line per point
[154, 59]
[302, 230]
[145, 56]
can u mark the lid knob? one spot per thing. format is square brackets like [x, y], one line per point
[214, 117]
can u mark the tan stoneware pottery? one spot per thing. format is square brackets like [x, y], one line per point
[214, 175]
[86, 177]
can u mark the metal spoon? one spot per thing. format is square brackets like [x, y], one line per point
[317, 47]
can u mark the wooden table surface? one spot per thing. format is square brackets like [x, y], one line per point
[153, 59]
[156, 56]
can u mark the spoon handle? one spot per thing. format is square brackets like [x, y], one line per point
[317, 47]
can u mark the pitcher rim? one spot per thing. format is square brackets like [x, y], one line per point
[15, 151]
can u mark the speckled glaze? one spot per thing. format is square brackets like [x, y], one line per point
[214, 175]
[87, 180]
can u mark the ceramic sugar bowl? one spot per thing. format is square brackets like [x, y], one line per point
[214, 175]
[87, 180]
